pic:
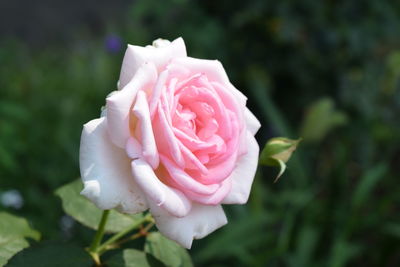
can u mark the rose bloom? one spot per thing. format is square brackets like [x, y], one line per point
[175, 139]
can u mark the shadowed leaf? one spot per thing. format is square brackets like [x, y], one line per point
[13, 234]
[167, 251]
[87, 213]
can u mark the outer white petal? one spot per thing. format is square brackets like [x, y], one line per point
[105, 171]
[253, 125]
[119, 103]
[167, 198]
[243, 175]
[201, 221]
[135, 56]
[214, 71]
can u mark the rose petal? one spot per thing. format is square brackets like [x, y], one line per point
[120, 103]
[133, 148]
[201, 221]
[185, 181]
[253, 125]
[165, 197]
[243, 174]
[166, 140]
[217, 173]
[192, 142]
[105, 171]
[213, 70]
[149, 148]
[157, 90]
[192, 162]
[212, 199]
[234, 106]
[135, 56]
[243, 143]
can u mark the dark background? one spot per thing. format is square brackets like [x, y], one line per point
[327, 71]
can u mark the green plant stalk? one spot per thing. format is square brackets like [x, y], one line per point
[98, 237]
[142, 232]
[103, 247]
[100, 232]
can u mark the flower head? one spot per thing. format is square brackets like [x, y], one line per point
[176, 138]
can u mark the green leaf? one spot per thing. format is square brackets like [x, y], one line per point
[367, 183]
[392, 229]
[305, 246]
[342, 252]
[87, 213]
[321, 118]
[129, 258]
[224, 244]
[13, 234]
[50, 254]
[167, 251]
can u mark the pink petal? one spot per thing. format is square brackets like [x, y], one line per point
[156, 93]
[135, 56]
[192, 161]
[105, 171]
[166, 140]
[214, 198]
[185, 181]
[165, 197]
[214, 71]
[149, 148]
[217, 173]
[192, 142]
[201, 221]
[235, 107]
[243, 175]
[120, 103]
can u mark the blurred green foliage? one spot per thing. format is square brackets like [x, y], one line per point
[14, 234]
[339, 202]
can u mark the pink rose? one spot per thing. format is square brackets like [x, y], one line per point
[176, 138]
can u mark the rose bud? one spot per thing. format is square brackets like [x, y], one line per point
[277, 152]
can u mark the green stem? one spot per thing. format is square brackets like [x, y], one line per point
[103, 247]
[98, 237]
[142, 232]
[100, 232]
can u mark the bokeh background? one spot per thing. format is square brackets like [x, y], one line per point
[326, 71]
